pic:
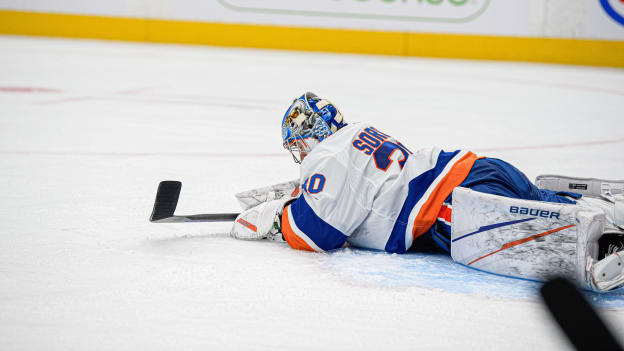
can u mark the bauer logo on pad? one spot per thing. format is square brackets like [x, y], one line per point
[533, 212]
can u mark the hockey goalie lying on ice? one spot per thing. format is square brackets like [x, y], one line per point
[359, 185]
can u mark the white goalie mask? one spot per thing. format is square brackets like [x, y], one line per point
[308, 121]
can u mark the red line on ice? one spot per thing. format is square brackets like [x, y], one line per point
[28, 90]
[552, 146]
[143, 154]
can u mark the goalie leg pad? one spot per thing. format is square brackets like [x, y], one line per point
[523, 238]
[613, 208]
[618, 211]
[585, 186]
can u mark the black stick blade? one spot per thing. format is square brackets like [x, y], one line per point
[578, 320]
[166, 200]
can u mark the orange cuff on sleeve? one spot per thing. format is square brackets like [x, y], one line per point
[289, 234]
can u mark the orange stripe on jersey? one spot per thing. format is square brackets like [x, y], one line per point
[445, 213]
[430, 209]
[289, 234]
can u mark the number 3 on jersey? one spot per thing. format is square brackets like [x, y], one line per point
[383, 155]
[373, 142]
[314, 184]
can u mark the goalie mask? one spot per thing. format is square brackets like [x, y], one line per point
[308, 121]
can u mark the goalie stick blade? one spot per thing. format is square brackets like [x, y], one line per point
[166, 200]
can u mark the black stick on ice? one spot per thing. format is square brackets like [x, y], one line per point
[167, 200]
[578, 320]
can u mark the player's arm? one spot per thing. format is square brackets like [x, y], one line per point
[320, 219]
[335, 199]
[291, 220]
[303, 229]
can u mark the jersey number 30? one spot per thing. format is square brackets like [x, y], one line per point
[314, 184]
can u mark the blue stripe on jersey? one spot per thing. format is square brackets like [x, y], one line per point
[417, 188]
[323, 234]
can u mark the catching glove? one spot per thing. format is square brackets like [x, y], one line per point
[261, 222]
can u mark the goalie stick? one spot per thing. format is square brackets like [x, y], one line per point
[576, 317]
[167, 200]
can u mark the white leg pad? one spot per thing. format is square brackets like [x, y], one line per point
[525, 239]
[618, 211]
[613, 208]
[585, 186]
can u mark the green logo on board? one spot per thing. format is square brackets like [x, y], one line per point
[450, 11]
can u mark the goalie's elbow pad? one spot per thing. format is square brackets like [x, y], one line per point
[526, 239]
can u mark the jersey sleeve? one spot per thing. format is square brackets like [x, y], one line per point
[305, 230]
[328, 209]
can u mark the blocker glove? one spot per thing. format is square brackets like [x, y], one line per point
[254, 197]
[263, 221]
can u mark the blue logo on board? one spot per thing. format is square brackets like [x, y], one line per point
[613, 13]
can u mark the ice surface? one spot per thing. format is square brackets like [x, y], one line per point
[88, 129]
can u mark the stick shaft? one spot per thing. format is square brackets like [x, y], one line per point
[207, 217]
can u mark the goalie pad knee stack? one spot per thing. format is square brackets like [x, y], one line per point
[525, 239]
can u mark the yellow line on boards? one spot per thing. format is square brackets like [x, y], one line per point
[551, 50]
[72, 26]
[275, 37]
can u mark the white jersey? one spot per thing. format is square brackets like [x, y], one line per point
[364, 187]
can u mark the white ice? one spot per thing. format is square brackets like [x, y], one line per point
[89, 128]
